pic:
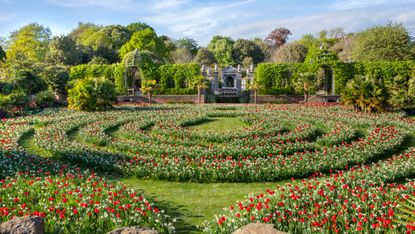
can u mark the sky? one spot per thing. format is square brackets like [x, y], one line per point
[202, 19]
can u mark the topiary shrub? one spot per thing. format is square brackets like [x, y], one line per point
[28, 81]
[45, 98]
[91, 94]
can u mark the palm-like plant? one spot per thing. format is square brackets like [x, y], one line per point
[254, 86]
[199, 82]
[406, 214]
[365, 94]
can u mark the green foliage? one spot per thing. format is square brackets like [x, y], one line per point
[178, 76]
[113, 72]
[28, 81]
[204, 56]
[17, 97]
[187, 43]
[365, 93]
[56, 78]
[222, 48]
[45, 98]
[98, 60]
[91, 94]
[145, 40]
[406, 213]
[391, 42]
[64, 51]
[291, 53]
[245, 48]
[134, 27]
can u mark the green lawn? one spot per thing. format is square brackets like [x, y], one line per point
[193, 203]
[220, 124]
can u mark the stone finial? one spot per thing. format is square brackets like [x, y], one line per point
[203, 69]
[216, 67]
[252, 67]
[239, 68]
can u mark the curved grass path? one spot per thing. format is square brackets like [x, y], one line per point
[189, 203]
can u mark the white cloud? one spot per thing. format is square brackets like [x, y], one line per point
[113, 4]
[351, 21]
[355, 4]
[168, 4]
[198, 21]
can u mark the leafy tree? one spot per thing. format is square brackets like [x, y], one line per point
[28, 81]
[247, 62]
[204, 56]
[309, 41]
[187, 43]
[344, 48]
[64, 51]
[365, 93]
[91, 94]
[182, 55]
[56, 78]
[28, 45]
[145, 40]
[291, 53]
[98, 60]
[391, 42]
[148, 87]
[111, 37]
[84, 30]
[169, 43]
[278, 36]
[245, 48]
[222, 48]
[135, 27]
[266, 49]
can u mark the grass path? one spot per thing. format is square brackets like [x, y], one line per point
[220, 124]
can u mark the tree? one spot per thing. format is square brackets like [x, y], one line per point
[266, 49]
[135, 27]
[28, 45]
[344, 48]
[290, 53]
[365, 93]
[222, 48]
[148, 87]
[402, 92]
[278, 36]
[182, 55]
[309, 41]
[187, 43]
[64, 51]
[245, 48]
[200, 83]
[98, 60]
[247, 62]
[56, 78]
[28, 81]
[145, 40]
[204, 56]
[391, 42]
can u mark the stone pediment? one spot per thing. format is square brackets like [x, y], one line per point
[229, 70]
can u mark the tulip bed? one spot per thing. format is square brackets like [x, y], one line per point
[350, 170]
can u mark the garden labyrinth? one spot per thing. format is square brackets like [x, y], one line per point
[350, 171]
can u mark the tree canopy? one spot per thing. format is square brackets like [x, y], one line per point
[222, 48]
[390, 42]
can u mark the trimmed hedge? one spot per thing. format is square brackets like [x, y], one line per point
[279, 78]
[113, 72]
[176, 78]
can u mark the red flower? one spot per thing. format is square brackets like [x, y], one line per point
[96, 210]
[75, 211]
[51, 199]
[16, 199]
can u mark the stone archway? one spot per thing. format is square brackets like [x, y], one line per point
[325, 80]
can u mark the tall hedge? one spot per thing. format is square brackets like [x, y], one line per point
[176, 78]
[113, 72]
[279, 78]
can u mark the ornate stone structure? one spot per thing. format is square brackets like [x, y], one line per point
[227, 81]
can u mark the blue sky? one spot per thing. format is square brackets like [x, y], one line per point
[201, 20]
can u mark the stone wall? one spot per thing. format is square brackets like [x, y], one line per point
[283, 99]
[178, 98]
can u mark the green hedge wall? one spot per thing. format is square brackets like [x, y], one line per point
[177, 78]
[113, 72]
[279, 78]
